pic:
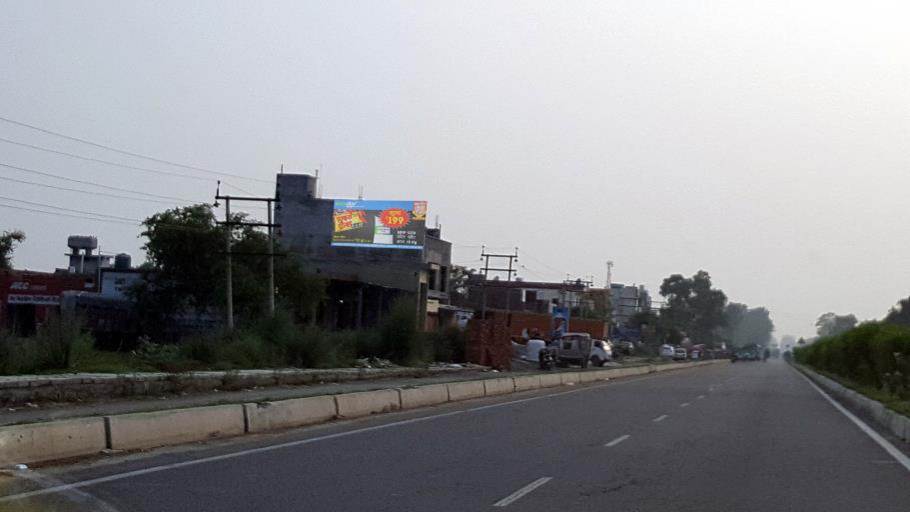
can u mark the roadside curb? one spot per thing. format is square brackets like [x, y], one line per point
[48, 441]
[893, 422]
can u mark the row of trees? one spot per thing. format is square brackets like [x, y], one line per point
[694, 308]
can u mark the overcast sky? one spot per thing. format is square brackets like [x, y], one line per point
[765, 142]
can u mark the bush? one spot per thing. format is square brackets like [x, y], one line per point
[399, 339]
[873, 354]
[449, 344]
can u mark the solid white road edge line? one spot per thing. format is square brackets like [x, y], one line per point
[659, 418]
[884, 443]
[262, 449]
[617, 441]
[515, 496]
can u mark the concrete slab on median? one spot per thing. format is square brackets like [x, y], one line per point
[570, 377]
[498, 386]
[289, 413]
[465, 390]
[50, 441]
[549, 380]
[353, 405]
[424, 395]
[162, 428]
[527, 382]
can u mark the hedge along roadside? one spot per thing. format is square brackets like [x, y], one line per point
[88, 436]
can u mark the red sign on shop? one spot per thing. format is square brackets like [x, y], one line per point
[394, 218]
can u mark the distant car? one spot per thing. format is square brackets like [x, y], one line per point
[679, 354]
[667, 351]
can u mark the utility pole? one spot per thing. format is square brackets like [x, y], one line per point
[270, 249]
[484, 255]
[229, 286]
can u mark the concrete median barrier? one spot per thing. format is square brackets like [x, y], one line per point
[162, 428]
[50, 441]
[465, 390]
[570, 378]
[549, 380]
[527, 382]
[422, 396]
[498, 386]
[353, 405]
[288, 413]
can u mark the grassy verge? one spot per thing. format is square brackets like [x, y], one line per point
[889, 400]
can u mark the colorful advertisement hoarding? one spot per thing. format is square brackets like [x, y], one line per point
[379, 224]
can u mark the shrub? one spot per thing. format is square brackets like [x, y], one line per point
[399, 338]
[873, 354]
[449, 344]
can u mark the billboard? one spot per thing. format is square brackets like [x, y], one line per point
[560, 322]
[379, 224]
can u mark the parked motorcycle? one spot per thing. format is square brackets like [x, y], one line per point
[547, 358]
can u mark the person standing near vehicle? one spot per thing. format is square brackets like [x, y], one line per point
[534, 346]
[766, 354]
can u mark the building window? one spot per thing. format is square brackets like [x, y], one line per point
[443, 279]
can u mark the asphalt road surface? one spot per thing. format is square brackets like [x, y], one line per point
[745, 436]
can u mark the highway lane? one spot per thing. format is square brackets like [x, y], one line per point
[748, 436]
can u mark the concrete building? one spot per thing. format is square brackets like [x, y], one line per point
[628, 300]
[363, 281]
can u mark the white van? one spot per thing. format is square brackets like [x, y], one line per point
[667, 351]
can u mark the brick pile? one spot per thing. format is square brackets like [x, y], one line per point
[489, 343]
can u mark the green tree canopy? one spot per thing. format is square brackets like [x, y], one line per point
[185, 271]
[693, 308]
[8, 241]
[831, 324]
[899, 314]
[747, 326]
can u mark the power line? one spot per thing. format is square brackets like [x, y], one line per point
[93, 184]
[91, 192]
[68, 209]
[128, 153]
[65, 214]
[105, 162]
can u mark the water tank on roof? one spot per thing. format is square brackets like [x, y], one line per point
[82, 242]
[123, 261]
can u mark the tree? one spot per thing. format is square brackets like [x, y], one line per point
[899, 314]
[693, 307]
[830, 324]
[8, 241]
[185, 272]
[747, 326]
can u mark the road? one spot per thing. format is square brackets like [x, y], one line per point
[740, 437]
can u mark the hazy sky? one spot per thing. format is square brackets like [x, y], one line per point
[765, 142]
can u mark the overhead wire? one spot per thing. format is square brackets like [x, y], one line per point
[93, 184]
[107, 162]
[90, 192]
[14, 207]
[68, 209]
[128, 153]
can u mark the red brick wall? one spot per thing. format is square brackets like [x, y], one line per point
[519, 321]
[489, 343]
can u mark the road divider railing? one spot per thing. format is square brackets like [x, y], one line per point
[56, 440]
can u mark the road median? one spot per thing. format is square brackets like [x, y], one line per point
[48, 441]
